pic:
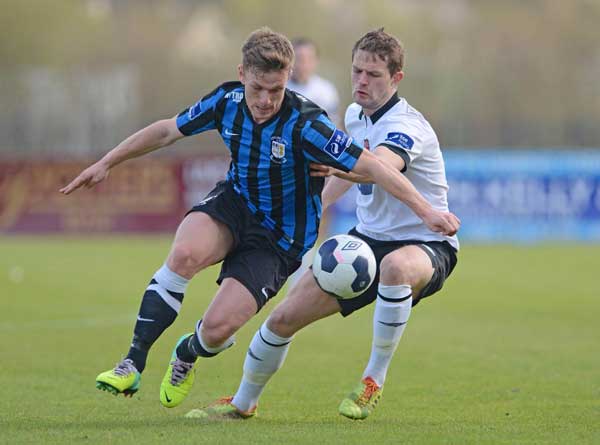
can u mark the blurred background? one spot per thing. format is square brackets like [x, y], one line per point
[510, 87]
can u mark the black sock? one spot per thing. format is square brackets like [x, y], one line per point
[184, 352]
[191, 348]
[157, 312]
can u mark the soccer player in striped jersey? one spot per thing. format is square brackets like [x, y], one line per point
[258, 222]
[413, 260]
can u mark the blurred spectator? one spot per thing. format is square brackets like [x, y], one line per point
[310, 85]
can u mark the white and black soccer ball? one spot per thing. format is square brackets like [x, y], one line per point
[344, 266]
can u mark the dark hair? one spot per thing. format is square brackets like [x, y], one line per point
[387, 47]
[266, 50]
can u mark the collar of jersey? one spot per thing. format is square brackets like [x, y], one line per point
[273, 118]
[381, 111]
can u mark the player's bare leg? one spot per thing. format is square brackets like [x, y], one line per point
[199, 242]
[304, 304]
[231, 308]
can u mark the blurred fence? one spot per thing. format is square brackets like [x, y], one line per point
[78, 76]
[500, 195]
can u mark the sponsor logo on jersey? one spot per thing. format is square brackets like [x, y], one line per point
[235, 96]
[337, 144]
[401, 139]
[301, 97]
[229, 133]
[195, 110]
[278, 150]
[207, 199]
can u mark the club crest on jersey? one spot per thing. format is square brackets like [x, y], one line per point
[235, 96]
[277, 150]
[401, 139]
[337, 144]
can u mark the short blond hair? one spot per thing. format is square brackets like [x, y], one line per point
[266, 50]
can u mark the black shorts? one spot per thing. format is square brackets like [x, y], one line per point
[442, 255]
[256, 260]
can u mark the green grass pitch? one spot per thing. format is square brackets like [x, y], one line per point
[507, 353]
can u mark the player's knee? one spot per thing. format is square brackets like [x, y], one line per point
[215, 331]
[184, 261]
[397, 269]
[282, 323]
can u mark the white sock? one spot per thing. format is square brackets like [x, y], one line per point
[392, 310]
[265, 356]
[170, 280]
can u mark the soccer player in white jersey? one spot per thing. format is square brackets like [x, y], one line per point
[306, 82]
[413, 261]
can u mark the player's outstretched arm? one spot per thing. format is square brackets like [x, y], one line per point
[395, 183]
[154, 136]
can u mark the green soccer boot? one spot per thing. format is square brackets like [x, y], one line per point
[123, 379]
[362, 401]
[178, 380]
[221, 409]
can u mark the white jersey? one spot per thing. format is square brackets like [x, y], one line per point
[405, 131]
[320, 91]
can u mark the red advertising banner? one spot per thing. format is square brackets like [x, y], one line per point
[139, 196]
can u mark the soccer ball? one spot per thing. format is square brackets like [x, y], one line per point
[344, 266]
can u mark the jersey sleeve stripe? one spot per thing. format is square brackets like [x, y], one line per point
[315, 142]
[203, 122]
[320, 126]
[354, 150]
[201, 116]
[400, 152]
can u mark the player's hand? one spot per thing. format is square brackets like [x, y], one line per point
[446, 223]
[88, 178]
[322, 170]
